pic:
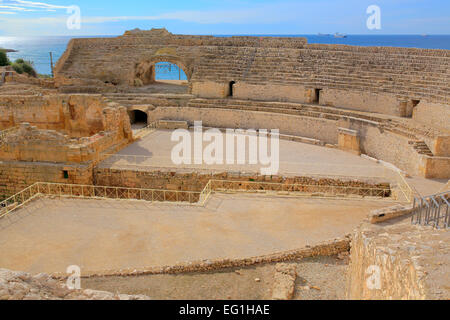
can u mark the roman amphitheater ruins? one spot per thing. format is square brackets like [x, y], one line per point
[86, 176]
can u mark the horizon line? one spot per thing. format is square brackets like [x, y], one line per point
[239, 34]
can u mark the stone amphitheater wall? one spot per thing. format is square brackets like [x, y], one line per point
[433, 114]
[15, 176]
[378, 144]
[361, 101]
[321, 129]
[386, 146]
[375, 79]
[272, 92]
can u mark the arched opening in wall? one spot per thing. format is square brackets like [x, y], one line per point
[231, 88]
[161, 77]
[138, 119]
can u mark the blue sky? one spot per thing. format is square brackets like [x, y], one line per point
[108, 17]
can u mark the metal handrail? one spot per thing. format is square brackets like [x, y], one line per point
[430, 211]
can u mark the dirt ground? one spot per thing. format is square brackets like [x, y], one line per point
[321, 278]
[155, 151]
[100, 235]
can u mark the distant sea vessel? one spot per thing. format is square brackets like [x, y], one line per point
[323, 34]
[340, 35]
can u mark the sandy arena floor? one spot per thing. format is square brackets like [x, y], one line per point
[99, 235]
[295, 158]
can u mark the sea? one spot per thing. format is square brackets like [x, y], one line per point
[37, 49]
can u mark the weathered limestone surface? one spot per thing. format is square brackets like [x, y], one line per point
[77, 115]
[349, 141]
[412, 260]
[284, 282]
[434, 114]
[57, 138]
[15, 176]
[389, 213]
[24, 286]
[375, 79]
[28, 143]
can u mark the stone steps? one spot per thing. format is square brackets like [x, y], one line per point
[421, 147]
[298, 110]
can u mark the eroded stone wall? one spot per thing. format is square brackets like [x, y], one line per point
[28, 143]
[75, 115]
[399, 261]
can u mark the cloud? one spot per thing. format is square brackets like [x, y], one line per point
[27, 6]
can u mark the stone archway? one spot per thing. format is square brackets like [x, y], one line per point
[145, 69]
[138, 119]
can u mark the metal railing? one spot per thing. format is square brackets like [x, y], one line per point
[314, 189]
[298, 189]
[99, 192]
[432, 210]
[404, 190]
[401, 191]
[18, 200]
[146, 130]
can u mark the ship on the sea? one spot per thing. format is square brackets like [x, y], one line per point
[340, 35]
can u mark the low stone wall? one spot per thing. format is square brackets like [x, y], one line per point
[315, 128]
[329, 248]
[399, 261]
[12, 76]
[194, 181]
[385, 214]
[15, 176]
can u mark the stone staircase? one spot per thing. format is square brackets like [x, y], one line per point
[402, 75]
[421, 148]
[308, 110]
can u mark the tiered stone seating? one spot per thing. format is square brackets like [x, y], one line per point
[403, 72]
[414, 74]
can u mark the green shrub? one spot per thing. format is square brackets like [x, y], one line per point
[17, 67]
[28, 68]
[4, 61]
[22, 66]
